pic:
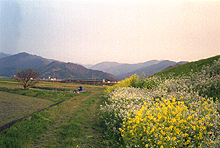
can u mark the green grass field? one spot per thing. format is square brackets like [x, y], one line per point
[73, 123]
[13, 106]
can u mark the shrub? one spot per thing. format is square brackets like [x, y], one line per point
[148, 83]
[128, 82]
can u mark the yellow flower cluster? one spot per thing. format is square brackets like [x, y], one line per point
[168, 123]
[128, 82]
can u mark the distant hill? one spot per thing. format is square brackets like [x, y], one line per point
[72, 71]
[123, 70]
[11, 64]
[3, 55]
[104, 66]
[118, 69]
[188, 67]
[149, 70]
[87, 65]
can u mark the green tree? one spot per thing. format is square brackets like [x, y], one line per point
[27, 77]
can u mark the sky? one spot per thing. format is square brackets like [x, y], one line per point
[124, 31]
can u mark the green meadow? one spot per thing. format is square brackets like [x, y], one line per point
[72, 123]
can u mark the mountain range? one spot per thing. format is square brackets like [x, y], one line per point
[10, 64]
[123, 70]
[2, 55]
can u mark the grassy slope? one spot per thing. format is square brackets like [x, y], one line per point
[186, 68]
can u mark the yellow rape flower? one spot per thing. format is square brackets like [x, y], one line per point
[166, 122]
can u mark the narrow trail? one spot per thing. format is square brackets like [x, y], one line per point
[75, 122]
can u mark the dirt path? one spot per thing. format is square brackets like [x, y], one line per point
[75, 122]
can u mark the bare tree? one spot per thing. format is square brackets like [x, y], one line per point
[27, 77]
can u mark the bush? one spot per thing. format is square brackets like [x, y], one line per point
[148, 83]
[128, 82]
[133, 81]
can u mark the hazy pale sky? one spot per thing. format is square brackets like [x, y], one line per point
[126, 31]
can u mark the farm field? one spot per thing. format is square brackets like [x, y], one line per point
[13, 106]
[74, 122]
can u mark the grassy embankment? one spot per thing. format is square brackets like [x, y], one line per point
[72, 123]
[177, 107]
[187, 68]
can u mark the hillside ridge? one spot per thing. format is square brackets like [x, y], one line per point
[9, 65]
[186, 68]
